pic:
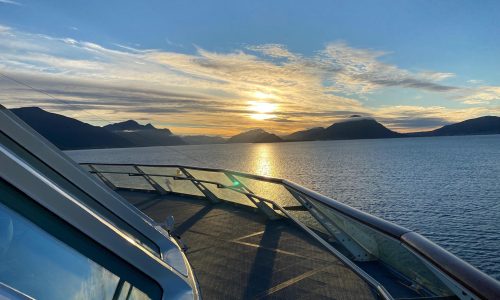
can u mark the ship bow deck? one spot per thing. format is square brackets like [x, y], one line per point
[237, 253]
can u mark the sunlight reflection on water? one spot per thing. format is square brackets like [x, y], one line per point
[263, 160]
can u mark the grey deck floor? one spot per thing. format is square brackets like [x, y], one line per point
[239, 254]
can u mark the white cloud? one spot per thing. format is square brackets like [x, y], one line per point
[475, 81]
[273, 50]
[361, 71]
[195, 89]
[482, 95]
[436, 76]
[10, 2]
[4, 29]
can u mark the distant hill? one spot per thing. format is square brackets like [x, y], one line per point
[305, 135]
[481, 125]
[144, 135]
[255, 136]
[67, 133]
[355, 127]
[203, 139]
[128, 125]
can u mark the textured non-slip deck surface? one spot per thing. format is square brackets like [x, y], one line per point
[239, 254]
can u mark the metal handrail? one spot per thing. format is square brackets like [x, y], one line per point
[460, 271]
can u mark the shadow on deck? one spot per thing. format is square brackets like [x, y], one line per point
[237, 253]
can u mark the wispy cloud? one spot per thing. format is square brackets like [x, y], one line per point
[9, 2]
[475, 81]
[169, 42]
[482, 95]
[361, 71]
[413, 118]
[212, 91]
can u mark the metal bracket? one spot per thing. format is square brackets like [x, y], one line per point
[151, 181]
[208, 194]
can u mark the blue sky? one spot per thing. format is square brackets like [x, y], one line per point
[411, 64]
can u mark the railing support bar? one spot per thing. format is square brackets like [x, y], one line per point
[261, 205]
[354, 248]
[208, 194]
[151, 181]
[102, 177]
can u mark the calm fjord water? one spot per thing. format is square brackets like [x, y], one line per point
[446, 188]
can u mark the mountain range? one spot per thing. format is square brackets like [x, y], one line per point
[144, 135]
[255, 136]
[482, 125]
[68, 133]
[353, 128]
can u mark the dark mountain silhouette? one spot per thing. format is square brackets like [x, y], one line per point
[481, 125]
[255, 136]
[67, 133]
[128, 125]
[355, 127]
[144, 135]
[305, 135]
[203, 139]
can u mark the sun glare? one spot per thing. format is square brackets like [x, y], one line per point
[262, 107]
[262, 95]
[262, 110]
[262, 116]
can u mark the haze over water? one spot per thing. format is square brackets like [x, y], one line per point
[445, 188]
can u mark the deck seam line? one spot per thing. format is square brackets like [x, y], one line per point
[290, 282]
[247, 236]
[258, 246]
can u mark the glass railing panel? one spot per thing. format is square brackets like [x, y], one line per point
[128, 182]
[114, 168]
[308, 220]
[220, 191]
[120, 177]
[268, 190]
[218, 177]
[171, 184]
[413, 275]
[230, 195]
[178, 186]
[167, 171]
[86, 168]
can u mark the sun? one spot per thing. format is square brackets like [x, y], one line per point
[262, 110]
[262, 107]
